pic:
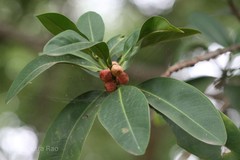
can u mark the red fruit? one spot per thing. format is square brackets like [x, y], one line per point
[116, 70]
[110, 86]
[105, 75]
[122, 78]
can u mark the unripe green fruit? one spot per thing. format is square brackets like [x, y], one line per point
[123, 78]
[105, 75]
[110, 86]
[116, 70]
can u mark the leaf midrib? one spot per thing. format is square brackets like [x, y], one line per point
[114, 46]
[90, 27]
[70, 45]
[90, 104]
[53, 22]
[47, 65]
[125, 115]
[182, 114]
[61, 29]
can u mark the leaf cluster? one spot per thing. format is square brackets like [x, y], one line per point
[124, 113]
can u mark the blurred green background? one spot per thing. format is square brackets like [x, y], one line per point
[24, 121]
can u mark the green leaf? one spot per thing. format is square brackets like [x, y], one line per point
[158, 29]
[162, 36]
[88, 58]
[157, 24]
[201, 83]
[92, 25]
[116, 45]
[126, 58]
[70, 129]
[65, 43]
[69, 42]
[193, 145]
[187, 107]
[125, 115]
[232, 92]
[131, 41]
[130, 49]
[57, 23]
[233, 135]
[211, 28]
[39, 65]
[102, 51]
[230, 156]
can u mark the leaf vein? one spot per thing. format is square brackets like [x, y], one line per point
[181, 113]
[114, 46]
[94, 100]
[125, 115]
[90, 27]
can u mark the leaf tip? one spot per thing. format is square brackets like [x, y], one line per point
[179, 30]
[39, 16]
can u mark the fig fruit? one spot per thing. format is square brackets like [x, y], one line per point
[105, 75]
[122, 78]
[110, 86]
[116, 70]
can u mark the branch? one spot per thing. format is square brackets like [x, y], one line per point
[206, 56]
[234, 9]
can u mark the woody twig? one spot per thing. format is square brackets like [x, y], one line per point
[206, 56]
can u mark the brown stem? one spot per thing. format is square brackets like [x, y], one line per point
[206, 56]
[234, 9]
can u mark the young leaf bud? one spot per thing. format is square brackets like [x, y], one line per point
[116, 70]
[110, 86]
[105, 75]
[122, 78]
[114, 63]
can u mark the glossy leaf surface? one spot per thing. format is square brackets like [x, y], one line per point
[69, 42]
[201, 83]
[57, 23]
[193, 145]
[39, 65]
[233, 135]
[130, 48]
[102, 51]
[157, 24]
[162, 36]
[187, 107]
[116, 45]
[232, 92]
[91, 25]
[125, 115]
[88, 58]
[66, 43]
[71, 127]
[131, 41]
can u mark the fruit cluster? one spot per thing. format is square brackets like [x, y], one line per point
[113, 77]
